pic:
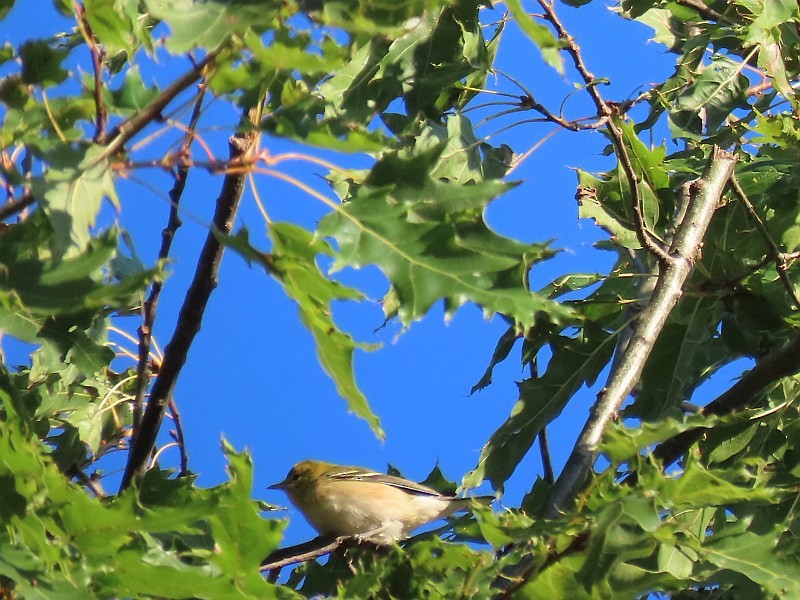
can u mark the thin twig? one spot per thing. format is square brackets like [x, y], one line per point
[605, 111]
[121, 134]
[688, 238]
[179, 437]
[544, 447]
[780, 258]
[167, 235]
[98, 55]
[771, 368]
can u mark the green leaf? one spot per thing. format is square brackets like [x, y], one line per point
[720, 89]
[616, 537]
[5, 7]
[294, 259]
[211, 24]
[243, 537]
[621, 442]
[755, 557]
[41, 64]
[71, 194]
[464, 159]
[501, 352]
[348, 93]
[133, 95]
[686, 353]
[176, 540]
[110, 25]
[290, 54]
[49, 287]
[431, 240]
[540, 35]
[558, 580]
[293, 263]
[575, 362]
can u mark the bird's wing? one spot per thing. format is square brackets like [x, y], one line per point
[359, 474]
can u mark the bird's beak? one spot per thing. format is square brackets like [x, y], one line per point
[277, 486]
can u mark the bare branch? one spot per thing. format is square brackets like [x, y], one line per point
[707, 191]
[97, 54]
[191, 314]
[167, 235]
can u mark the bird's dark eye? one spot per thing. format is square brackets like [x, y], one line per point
[295, 476]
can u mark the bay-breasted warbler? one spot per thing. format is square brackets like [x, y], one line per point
[352, 501]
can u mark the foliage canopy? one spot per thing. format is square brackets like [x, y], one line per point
[658, 496]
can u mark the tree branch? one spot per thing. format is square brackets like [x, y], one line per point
[707, 191]
[97, 54]
[121, 134]
[167, 235]
[774, 366]
[191, 314]
[319, 546]
[605, 112]
[12, 207]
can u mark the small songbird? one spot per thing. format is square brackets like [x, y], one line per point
[357, 502]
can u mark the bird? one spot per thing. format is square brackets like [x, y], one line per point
[346, 501]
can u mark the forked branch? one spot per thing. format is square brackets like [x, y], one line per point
[191, 314]
[704, 194]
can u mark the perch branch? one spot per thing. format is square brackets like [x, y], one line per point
[319, 546]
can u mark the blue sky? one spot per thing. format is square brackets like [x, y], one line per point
[252, 375]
